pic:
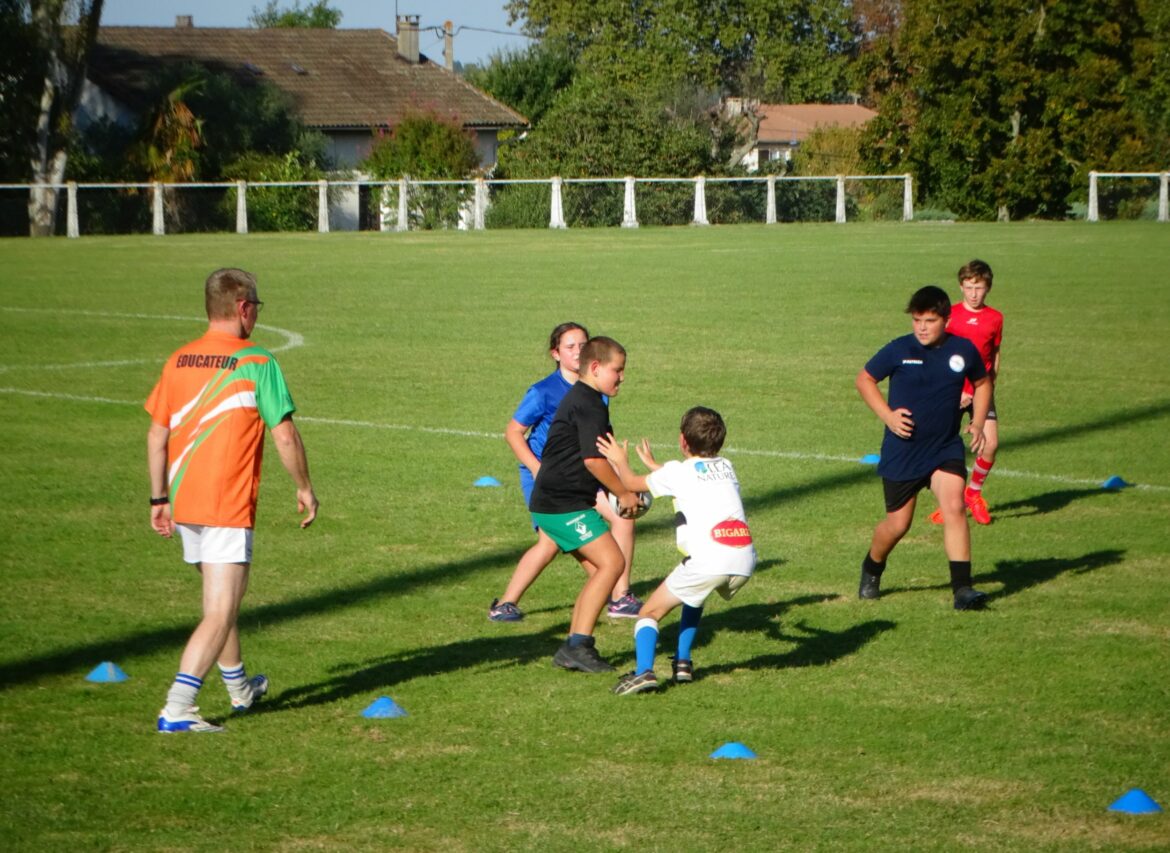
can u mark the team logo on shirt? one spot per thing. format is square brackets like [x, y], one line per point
[957, 363]
[733, 533]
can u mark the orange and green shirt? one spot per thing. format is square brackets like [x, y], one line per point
[216, 396]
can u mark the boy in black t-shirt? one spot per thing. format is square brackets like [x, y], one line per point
[921, 447]
[571, 471]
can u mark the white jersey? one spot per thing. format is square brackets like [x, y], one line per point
[716, 538]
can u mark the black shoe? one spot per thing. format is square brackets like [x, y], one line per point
[967, 598]
[583, 658]
[870, 586]
[683, 671]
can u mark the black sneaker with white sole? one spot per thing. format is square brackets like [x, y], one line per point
[583, 658]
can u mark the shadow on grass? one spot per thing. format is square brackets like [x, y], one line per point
[1019, 575]
[1045, 503]
[377, 675]
[88, 655]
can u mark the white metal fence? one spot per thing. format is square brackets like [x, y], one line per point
[408, 204]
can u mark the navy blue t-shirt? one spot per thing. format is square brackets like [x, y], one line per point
[563, 483]
[929, 382]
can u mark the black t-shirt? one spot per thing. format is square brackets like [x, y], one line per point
[563, 483]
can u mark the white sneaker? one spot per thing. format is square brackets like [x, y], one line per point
[188, 721]
[259, 689]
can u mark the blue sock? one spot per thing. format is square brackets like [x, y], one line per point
[578, 639]
[688, 626]
[645, 644]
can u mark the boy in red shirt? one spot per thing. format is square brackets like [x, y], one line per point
[982, 325]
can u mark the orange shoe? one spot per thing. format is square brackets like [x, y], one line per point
[978, 507]
[936, 517]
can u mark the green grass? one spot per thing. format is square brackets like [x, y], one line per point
[895, 724]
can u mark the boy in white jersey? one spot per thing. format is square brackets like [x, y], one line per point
[713, 536]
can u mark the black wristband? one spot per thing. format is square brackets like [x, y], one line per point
[160, 501]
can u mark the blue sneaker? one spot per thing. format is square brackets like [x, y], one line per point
[188, 721]
[626, 607]
[504, 611]
[259, 685]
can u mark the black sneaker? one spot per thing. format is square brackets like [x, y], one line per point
[967, 598]
[633, 683]
[870, 586]
[682, 670]
[583, 658]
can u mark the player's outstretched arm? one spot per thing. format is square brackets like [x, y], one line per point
[618, 455]
[646, 456]
[291, 448]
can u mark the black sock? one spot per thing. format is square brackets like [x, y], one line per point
[960, 574]
[872, 567]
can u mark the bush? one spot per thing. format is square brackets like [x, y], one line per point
[275, 208]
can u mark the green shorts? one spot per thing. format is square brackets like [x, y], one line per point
[571, 530]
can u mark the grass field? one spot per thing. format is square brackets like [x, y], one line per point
[896, 724]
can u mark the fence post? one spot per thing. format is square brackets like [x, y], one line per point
[241, 207]
[1164, 198]
[556, 215]
[629, 211]
[907, 199]
[770, 216]
[480, 203]
[158, 225]
[840, 198]
[1092, 214]
[71, 228]
[323, 207]
[403, 222]
[700, 217]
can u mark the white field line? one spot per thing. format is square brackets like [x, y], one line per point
[291, 339]
[495, 436]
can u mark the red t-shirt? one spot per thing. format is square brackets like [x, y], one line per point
[984, 328]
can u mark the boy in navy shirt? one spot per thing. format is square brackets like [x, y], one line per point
[921, 446]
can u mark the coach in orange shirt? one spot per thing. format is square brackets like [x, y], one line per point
[208, 414]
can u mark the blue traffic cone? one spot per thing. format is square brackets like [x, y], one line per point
[1135, 801]
[107, 672]
[383, 707]
[871, 459]
[487, 481]
[1114, 484]
[734, 749]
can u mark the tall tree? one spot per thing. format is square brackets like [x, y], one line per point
[791, 50]
[56, 35]
[527, 80]
[317, 15]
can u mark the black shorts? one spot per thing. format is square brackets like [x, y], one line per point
[969, 410]
[899, 492]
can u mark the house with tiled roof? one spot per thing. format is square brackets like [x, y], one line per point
[347, 83]
[783, 127]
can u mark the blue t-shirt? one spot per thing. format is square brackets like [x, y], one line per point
[929, 382]
[537, 408]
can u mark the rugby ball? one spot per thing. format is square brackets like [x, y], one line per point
[644, 501]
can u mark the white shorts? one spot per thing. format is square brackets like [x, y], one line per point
[692, 587]
[205, 544]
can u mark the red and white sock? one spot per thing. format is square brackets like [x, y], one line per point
[978, 474]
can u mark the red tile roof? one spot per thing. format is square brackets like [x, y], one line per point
[337, 78]
[791, 123]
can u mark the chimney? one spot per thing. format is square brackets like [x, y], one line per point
[449, 45]
[408, 38]
[184, 22]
